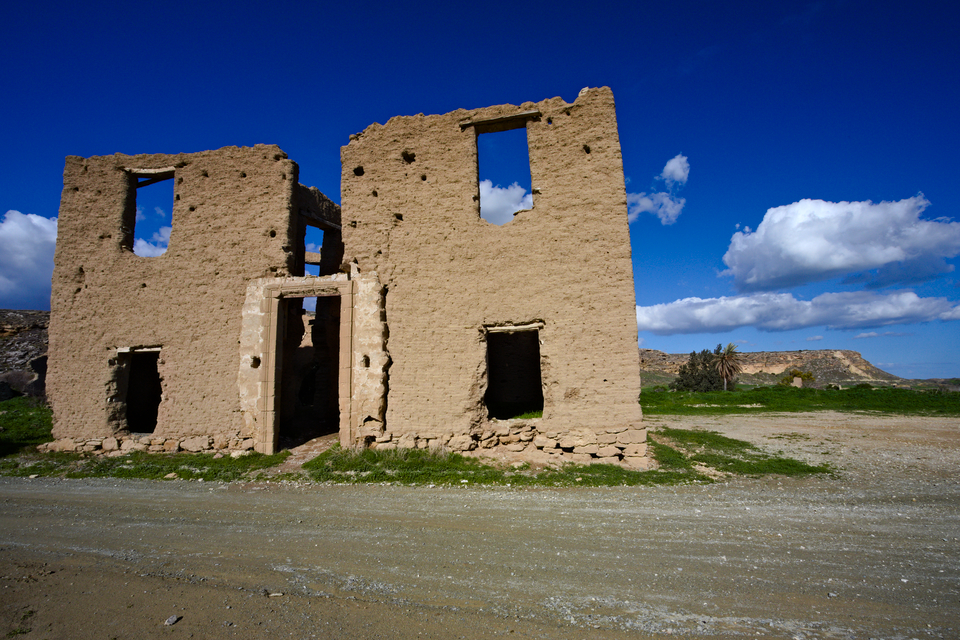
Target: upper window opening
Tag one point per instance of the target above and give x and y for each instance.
(312, 244)
(153, 217)
(504, 174)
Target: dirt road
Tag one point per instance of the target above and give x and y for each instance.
(873, 552)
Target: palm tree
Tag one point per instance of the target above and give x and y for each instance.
(728, 363)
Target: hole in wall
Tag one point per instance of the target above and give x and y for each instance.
(358, 171)
(255, 362)
(144, 391)
(152, 219)
(408, 156)
(504, 174)
(273, 233)
(514, 384)
(374, 193)
(398, 216)
(312, 243)
(423, 177)
(586, 148)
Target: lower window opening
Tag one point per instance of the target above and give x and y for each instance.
(143, 392)
(514, 386)
(309, 389)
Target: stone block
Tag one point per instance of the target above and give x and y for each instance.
(632, 436)
(110, 444)
(578, 458)
(527, 436)
(462, 443)
(542, 442)
(608, 452)
(196, 443)
(606, 438)
(510, 438)
(635, 449)
(636, 463)
(489, 444)
(590, 449)
(516, 447)
(386, 446)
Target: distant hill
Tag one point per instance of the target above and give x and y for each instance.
(829, 366)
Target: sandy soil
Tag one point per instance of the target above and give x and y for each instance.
(873, 552)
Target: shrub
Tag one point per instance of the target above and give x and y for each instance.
(787, 379)
(700, 373)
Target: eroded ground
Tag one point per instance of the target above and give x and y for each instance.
(873, 552)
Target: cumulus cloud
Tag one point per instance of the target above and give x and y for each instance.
(666, 205)
(27, 242)
(498, 204)
(663, 205)
(814, 338)
(783, 312)
(156, 246)
(676, 171)
(873, 244)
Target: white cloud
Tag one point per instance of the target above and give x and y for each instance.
(666, 205)
(27, 243)
(676, 171)
(141, 216)
(874, 334)
(814, 338)
(875, 244)
(498, 204)
(156, 246)
(663, 205)
(783, 312)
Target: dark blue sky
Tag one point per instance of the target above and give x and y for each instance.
(770, 104)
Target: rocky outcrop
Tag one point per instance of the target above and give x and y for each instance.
(23, 337)
(23, 350)
(767, 367)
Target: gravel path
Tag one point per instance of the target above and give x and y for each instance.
(872, 552)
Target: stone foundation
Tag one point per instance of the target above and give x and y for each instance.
(123, 444)
(522, 439)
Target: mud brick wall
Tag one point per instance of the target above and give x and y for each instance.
(234, 220)
(410, 201)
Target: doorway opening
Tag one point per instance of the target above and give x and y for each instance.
(309, 369)
(514, 385)
(144, 391)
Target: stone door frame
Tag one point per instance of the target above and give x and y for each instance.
(265, 357)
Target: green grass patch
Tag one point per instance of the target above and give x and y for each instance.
(24, 422)
(676, 459)
(148, 466)
(737, 457)
(791, 399)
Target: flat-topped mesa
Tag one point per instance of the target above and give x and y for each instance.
(432, 327)
(827, 365)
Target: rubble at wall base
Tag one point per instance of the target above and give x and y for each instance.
(522, 440)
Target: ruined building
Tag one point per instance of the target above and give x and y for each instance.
(433, 327)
